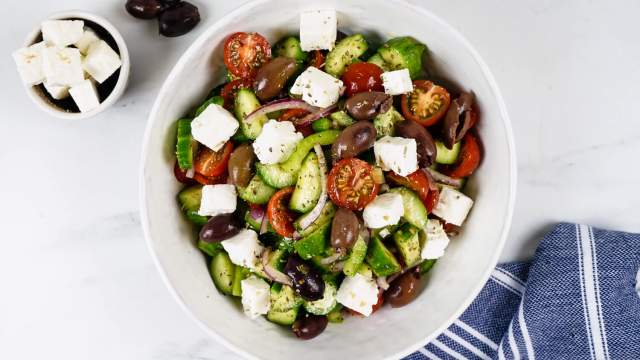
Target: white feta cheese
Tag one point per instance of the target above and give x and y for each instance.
(436, 242)
(217, 199)
(87, 39)
(244, 249)
(101, 61)
(358, 293)
(57, 92)
(214, 127)
(85, 95)
(62, 66)
(62, 33)
(276, 142)
(397, 82)
(318, 29)
(29, 63)
(396, 154)
(317, 87)
(384, 210)
(453, 206)
(256, 296)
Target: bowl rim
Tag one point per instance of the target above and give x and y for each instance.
(506, 122)
(123, 77)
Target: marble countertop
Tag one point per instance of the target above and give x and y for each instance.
(77, 281)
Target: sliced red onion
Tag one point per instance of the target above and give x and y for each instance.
(338, 266)
(256, 213)
(382, 282)
(317, 210)
(282, 104)
(272, 273)
(444, 179)
(190, 173)
(264, 226)
(432, 181)
(331, 259)
(316, 115)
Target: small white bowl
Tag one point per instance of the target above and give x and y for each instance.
(37, 92)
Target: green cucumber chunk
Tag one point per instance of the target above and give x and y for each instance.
(222, 272)
(381, 260)
(321, 125)
(335, 316)
(385, 123)
(426, 266)
(218, 100)
(256, 192)
(185, 145)
(308, 188)
(325, 216)
(286, 173)
(284, 305)
(403, 53)
(246, 102)
(356, 257)
(240, 274)
(324, 305)
(341, 119)
(447, 156)
(314, 244)
(344, 54)
(414, 211)
(208, 248)
(189, 199)
(407, 241)
(366, 271)
(278, 259)
(378, 60)
(290, 47)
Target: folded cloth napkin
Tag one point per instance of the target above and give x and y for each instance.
(577, 299)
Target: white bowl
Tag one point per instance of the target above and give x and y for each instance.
(452, 284)
(37, 93)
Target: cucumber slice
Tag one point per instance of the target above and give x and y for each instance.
(356, 257)
(246, 102)
(407, 241)
(308, 189)
(341, 119)
(257, 192)
(378, 60)
(346, 51)
(218, 100)
(315, 244)
(321, 125)
(290, 47)
(185, 145)
(447, 156)
(189, 199)
(335, 316)
(385, 123)
(284, 305)
(325, 216)
(426, 266)
(222, 272)
(381, 260)
(403, 53)
(414, 211)
(366, 271)
(324, 305)
(278, 259)
(208, 248)
(240, 274)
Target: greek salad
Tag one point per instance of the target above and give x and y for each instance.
(327, 175)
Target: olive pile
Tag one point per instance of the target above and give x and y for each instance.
(175, 17)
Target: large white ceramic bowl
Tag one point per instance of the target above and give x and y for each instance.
(454, 281)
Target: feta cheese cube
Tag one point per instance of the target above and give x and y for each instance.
(397, 154)
(453, 206)
(436, 242)
(358, 293)
(29, 63)
(397, 82)
(101, 61)
(317, 87)
(256, 296)
(214, 127)
(62, 33)
(276, 142)
(87, 39)
(244, 249)
(384, 210)
(85, 95)
(62, 66)
(57, 92)
(318, 29)
(217, 199)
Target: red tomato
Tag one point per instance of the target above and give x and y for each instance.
(280, 217)
(351, 184)
(229, 91)
(245, 53)
(181, 175)
(420, 184)
(211, 163)
(205, 180)
(361, 77)
(297, 114)
(317, 59)
(426, 104)
(469, 158)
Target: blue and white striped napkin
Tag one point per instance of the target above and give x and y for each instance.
(577, 299)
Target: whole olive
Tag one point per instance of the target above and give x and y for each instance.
(178, 19)
(307, 281)
(240, 165)
(404, 289)
(366, 105)
(219, 228)
(143, 9)
(272, 77)
(344, 229)
(309, 326)
(458, 120)
(354, 140)
(426, 147)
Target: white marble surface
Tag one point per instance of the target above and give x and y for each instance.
(76, 279)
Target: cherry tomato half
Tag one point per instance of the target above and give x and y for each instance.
(317, 59)
(426, 104)
(229, 91)
(211, 163)
(245, 53)
(278, 213)
(181, 175)
(420, 184)
(469, 158)
(206, 180)
(297, 114)
(351, 184)
(361, 77)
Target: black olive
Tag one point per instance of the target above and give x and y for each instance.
(403, 289)
(307, 281)
(144, 9)
(458, 120)
(220, 227)
(178, 19)
(344, 229)
(309, 326)
(366, 105)
(272, 77)
(354, 140)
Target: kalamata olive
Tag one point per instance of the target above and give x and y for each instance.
(309, 326)
(307, 281)
(178, 19)
(220, 227)
(354, 140)
(404, 289)
(144, 9)
(272, 77)
(426, 147)
(240, 165)
(366, 105)
(344, 229)
(458, 120)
